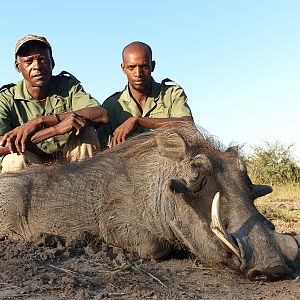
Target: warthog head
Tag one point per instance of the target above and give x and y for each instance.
(215, 216)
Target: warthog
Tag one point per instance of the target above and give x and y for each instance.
(170, 187)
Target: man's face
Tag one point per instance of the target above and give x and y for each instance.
(137, 66)
(36, 66)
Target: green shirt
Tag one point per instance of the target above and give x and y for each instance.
(65, 95)
(166, 100)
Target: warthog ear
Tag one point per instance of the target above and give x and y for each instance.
(233, 149)
(171, 146)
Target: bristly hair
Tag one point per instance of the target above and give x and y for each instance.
(195, 138)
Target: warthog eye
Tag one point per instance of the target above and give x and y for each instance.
(178, 186)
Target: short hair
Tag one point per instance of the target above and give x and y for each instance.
(137, 43)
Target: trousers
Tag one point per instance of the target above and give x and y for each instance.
(77, 148)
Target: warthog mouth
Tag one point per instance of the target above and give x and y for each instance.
(277, 267)
(219, 230)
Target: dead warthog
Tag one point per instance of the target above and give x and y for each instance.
(173, 186)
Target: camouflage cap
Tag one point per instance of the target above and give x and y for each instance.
(29, 38)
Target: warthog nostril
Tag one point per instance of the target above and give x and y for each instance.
(269, 274)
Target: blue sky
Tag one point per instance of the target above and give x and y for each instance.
(238, 61)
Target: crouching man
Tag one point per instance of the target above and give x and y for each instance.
(45, 117)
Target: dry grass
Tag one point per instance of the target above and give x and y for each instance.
(282, 207)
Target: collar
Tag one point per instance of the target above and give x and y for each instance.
(151, 100)
(21, 92)
(154, 93)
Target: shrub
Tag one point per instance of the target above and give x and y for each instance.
(273, 164)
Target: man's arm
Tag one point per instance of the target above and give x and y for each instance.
(152, 123)
(44, 127)
(95, 115)
(130, 124)
(3, 149)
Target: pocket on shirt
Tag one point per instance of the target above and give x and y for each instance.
(61, 106)
(160, 111)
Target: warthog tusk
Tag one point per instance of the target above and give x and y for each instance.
(218, 228)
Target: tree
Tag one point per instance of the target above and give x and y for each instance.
(273, 164)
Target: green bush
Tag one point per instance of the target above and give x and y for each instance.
(273, 164)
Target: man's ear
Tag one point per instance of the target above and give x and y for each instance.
(153, 65)
(123, 67)
(17, 66)
(53, 63)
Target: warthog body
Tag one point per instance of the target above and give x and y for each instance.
(152, 193)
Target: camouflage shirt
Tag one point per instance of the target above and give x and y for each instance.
(17, 107)
(166, 100)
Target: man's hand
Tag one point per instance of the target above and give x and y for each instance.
(121, 132)
(72, 122)
(16, 139)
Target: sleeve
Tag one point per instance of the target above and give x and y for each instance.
(105, 131)
(179, 107)
(5, 115)
(81, 99)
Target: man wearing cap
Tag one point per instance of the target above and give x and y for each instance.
(45, 117)
(144, 104)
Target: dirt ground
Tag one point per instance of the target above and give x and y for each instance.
(89, 269)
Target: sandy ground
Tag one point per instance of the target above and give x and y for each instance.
(89, 269)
